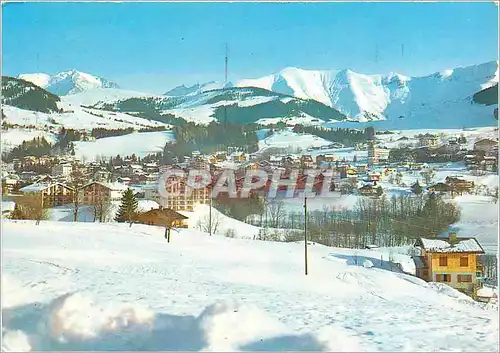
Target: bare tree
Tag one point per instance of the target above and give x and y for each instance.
(101, 206)
(30, 207)
(275, 212)
(77, 180)
(210, 224)
(428, 175)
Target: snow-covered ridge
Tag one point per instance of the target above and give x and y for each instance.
(376, 97)
(68, 82)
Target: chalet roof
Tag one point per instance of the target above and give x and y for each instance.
(112, 186)
(462, 245)
(37, 187)
(160, 216)
(487, 142)
(440, 187)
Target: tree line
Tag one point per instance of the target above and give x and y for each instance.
(191, 137)
(380, 221)
(348, 137)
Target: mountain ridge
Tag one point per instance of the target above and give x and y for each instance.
(68, 82)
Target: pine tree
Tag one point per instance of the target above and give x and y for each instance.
(416, 188)
(128, 207)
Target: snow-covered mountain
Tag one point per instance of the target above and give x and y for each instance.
(378, 97)
(68, 82)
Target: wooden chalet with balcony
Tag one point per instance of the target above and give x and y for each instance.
(450, 260)
(53, 194)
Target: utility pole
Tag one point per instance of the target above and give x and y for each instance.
(225, 65)
(225, 84)
(305, 232)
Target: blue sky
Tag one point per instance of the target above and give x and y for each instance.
(155, 46)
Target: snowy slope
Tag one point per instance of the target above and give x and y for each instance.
(75, 117)
(81, 286)
(138, 143)
(14, 137)
(479, 218)
(290, 140)
(68, 82)
(96, 95)
(198, 88)
(41, 80)
(444, 96)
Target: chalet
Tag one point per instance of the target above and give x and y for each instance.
(62, 169)
(471, 160)
(486, 145)
(489, 163)
(439, 188)
(254, 156)
(320, 158)
(459, 185)
(307, 161)
(428, 140)
(368, 190)
(28, 176)
(124, 180)
(199, 163)
(103, 191)
(151, 192)
(451, 260)
(9, 183)
(375, 177)
(101, 175)
(238, 157)
(276, 160)
(163, 217)
(329, 158)
(54, 194)
(151, 167)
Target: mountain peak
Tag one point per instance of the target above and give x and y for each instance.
(68, 82)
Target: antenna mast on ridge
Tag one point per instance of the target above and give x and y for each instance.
(225, 62)
(225, 84)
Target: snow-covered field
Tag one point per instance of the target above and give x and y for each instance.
(86, 286)
(291, 140)
(471, 134)
(14, 137)
(86, 214)
(76, 117)
(479, 219)
(96, 95)
(140, 143)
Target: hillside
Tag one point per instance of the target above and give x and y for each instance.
(74, 286)
(242, 105)
(487, 96)
(26, 95)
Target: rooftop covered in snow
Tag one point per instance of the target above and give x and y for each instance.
(460, 245)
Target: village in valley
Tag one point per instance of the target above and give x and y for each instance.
(384, 167)
(190, 190)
